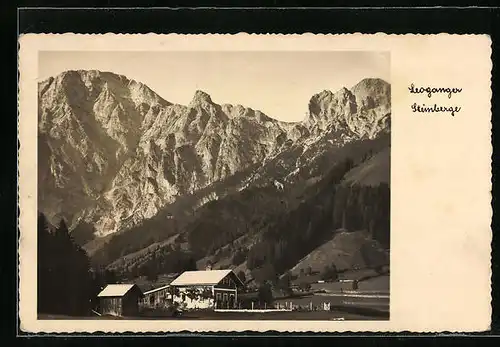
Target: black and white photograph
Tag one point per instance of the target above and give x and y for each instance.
(214, 185)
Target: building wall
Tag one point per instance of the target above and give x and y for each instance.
(227, 282)
(194, 298)
(130, 304)
(222, 295)
(119, 305)
(159, 299)
(225, 298)
(111, 306)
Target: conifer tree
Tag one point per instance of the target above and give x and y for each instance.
(64, 281)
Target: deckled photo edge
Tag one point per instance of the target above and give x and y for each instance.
(22, 244)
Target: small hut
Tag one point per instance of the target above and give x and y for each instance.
(120, 299)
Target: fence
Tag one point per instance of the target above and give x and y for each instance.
(279, 306)
(252, 310)
(325, 306)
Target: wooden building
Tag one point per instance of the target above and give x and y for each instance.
(206, 289)
(147, 284)
(120, 300)
(156, 293)
(160, 297)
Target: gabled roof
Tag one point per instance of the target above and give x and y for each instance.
(117, 290)
(208, 277)
(156, 289)
(146, 285)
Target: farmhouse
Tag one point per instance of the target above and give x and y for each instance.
(206, 289)
(119, 299)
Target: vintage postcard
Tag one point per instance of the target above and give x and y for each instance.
(295, 183)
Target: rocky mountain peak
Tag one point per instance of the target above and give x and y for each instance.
(200, 98)
(86, 85)
(372, 92)
(327, 98)
(376, 84)
(90, 122)
(327, 108)
(362, 111)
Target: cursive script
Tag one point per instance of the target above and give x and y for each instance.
(432, 90)
(435, 108)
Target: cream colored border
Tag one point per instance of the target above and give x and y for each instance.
(440, 178)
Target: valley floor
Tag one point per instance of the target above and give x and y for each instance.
(343, 307)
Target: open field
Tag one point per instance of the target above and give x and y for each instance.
(210, 315)
(343, 307)
(372, 305)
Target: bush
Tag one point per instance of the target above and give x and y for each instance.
(305, 286)
(265, 294)
(330, 273)
(285, 283)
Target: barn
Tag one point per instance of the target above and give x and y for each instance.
(120, 300)
(206, 289)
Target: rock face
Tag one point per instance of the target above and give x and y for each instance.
(363, 111)
(113, 153)
(90, 123)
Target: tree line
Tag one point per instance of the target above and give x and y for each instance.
(66, 283)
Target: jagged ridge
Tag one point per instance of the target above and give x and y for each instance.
(113, 153)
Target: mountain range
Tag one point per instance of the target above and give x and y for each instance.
(139, 179)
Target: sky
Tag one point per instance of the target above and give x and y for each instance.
(279, 84)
